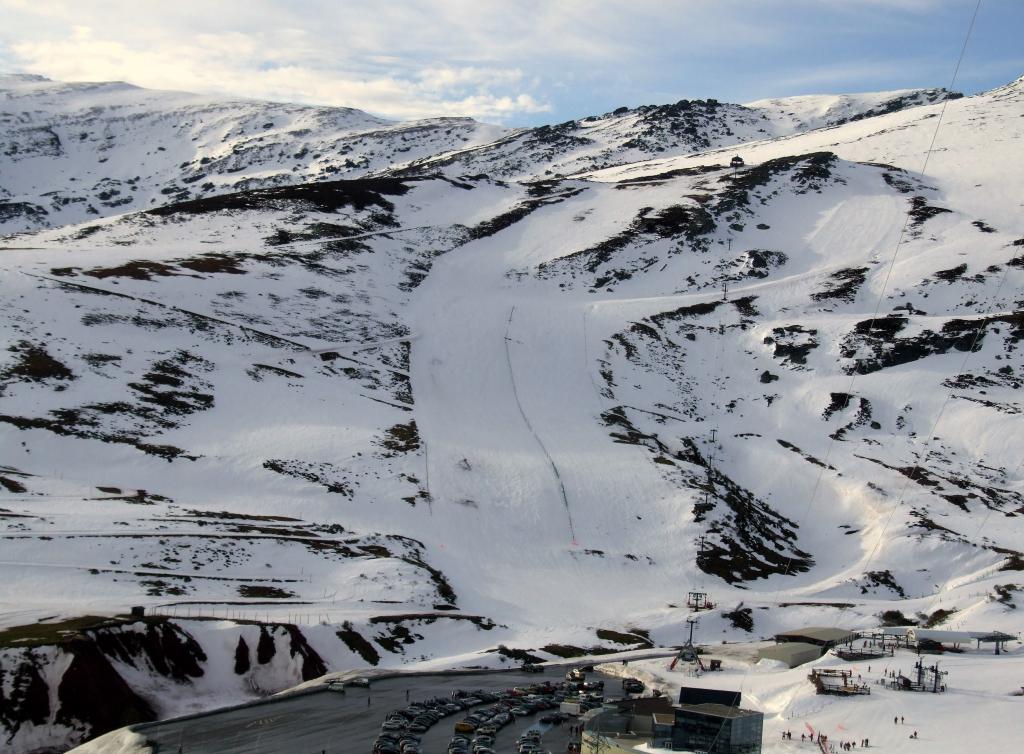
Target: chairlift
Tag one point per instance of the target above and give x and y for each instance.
(698, 601)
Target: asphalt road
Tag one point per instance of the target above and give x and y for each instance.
(333, 723)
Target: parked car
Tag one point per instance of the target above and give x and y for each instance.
(632, 686)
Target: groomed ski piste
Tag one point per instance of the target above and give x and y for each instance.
(440, 416)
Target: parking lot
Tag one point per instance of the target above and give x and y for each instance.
(350, 722)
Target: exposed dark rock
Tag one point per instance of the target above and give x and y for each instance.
(34, 364)
(24, 695)
(618, 637)
(263, 591)
(323, 473)
(843, 285)
(401, 438)
(746, 538)
(355, 641)
(921, 211)
(266, 647)
(168, 649)
(902, 102)
(885, 579)
(519, 655)
(951, 275)
(741, 618)
(896, 618)
(879, 338)
(242, 659)
(91, 693)
(806, 456)
(312, 664)
(792, 343)
(327, 196)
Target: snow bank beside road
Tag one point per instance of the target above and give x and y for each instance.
(123, 741)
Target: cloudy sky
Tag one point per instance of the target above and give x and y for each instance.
(519, 62)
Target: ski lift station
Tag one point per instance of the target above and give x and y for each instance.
(940, 640)
(793, 648)
(932, 639)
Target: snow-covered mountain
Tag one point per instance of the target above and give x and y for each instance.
(455, 406)
(73, 152)
(689, 126)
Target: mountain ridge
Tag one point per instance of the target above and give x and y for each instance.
(550, 405)
(49, 126)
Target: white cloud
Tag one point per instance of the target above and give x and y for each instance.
(400, 58)
(342, 59)
(849, 73)
(493, 59)
(239, 64)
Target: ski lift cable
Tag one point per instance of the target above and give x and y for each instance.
(937, 597)
(720, 411)
(915, 472)
(886, 280)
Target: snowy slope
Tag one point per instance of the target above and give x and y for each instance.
(544, 410)
(977, 706)
(75, 151)
(810, 111)
(627, 136)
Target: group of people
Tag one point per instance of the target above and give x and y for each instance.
(851, 745)
(844, 745)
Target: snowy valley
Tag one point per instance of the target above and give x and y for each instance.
(321, 391)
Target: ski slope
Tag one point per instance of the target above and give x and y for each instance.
(462, 407)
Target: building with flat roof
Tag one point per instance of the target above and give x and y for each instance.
(792, 653)
(822, 636)
(717, 729)
(709, 727)
(703, 695)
